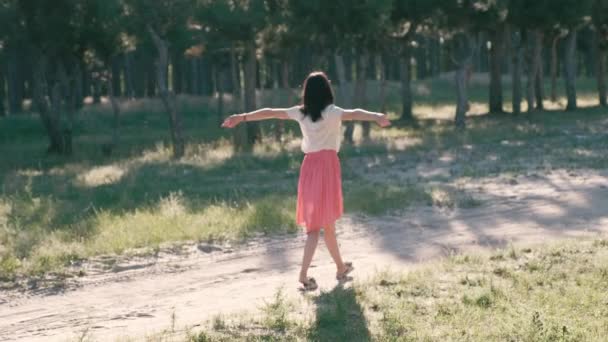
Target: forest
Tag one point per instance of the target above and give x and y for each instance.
(55, 55)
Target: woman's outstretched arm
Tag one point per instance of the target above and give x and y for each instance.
(258, 115)
(364, 115)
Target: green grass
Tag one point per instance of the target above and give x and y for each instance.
(55, 211)
(545, 293)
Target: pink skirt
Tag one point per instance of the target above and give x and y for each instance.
(319, 191)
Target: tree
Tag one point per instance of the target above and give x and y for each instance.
(163, 22)
(497, 48)
(533, 20)
(12, 39)
(570, 15)
(54, 34)
(105, 31)
(282, 35)
(600, 24)
(329, 25)
(238, 21)
(409, 17)
(7, 32)
(462, 20)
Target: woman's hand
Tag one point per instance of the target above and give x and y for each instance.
(383, 121)
(233, 120)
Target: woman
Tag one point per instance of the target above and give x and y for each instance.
(320, 185)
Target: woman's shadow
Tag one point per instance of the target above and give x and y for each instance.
(339, 317)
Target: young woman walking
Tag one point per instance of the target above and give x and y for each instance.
(320, 185)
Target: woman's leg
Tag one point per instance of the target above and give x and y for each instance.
(332, 246)
(309, 252)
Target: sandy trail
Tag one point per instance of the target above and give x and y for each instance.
(145, 295)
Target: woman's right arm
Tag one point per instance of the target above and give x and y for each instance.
(364, 115)
(258, 115)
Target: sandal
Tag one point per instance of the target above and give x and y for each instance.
(309, 285)
(343, 276)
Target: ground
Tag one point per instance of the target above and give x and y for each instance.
(180, 288)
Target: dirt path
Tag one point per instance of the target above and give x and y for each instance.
(184, 288)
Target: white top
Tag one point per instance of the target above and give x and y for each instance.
(325, 134)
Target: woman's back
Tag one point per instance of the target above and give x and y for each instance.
(324, 134)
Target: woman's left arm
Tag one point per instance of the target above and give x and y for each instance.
(258, 115)
(364, 115)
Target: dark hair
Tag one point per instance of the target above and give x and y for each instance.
(317, 95)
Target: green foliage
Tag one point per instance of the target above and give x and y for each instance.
(472, 15)
(105, 26)
(54, 28)
(600, 21)
(344, 23)
(238, 20)
(548, 14)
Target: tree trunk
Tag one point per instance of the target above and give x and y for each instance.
(465, 51)
(129, 85)
(345, 97)
(151, 78)
(26, 77)
(496, 55)
(15, 83)
(86, 81)
(540, 76)
(167, 96)
(204, 77)
(140, 63)
(422, 69)
(234, 74)
(517, 55)
(276, 98)
(382, 79)
(117, 84)
(508, 51)
(250, 91)
(533, 44)
(435, 56)
(406, 89)
(600, 61)
(246, 135)
(289, 97)
(589, 52)
(96, 89)
(177, 73)
(285, 83)
(361, 94)
(2, 93)
(343, 90)
(65, 103)
(259, 83)
(49, 120)
(194, 69)
(348, 66)
(78, 79)
(570, 69)
(115, 111)
(219, 79)
(185, 78)
(554, 57)
(461, 90)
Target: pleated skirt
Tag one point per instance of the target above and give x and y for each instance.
(319, 191)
